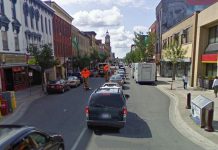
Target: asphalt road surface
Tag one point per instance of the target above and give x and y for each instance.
(148, 126)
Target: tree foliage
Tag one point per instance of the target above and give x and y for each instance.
(144, 48)
(174, 53)
(43, 57)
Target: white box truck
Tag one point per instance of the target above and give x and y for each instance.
(145, 72)
(132, 69)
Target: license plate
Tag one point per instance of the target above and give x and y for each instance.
(106, 116)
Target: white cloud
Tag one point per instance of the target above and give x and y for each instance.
(98, 18)
(121, 39)
(130, 3)
(140, 29)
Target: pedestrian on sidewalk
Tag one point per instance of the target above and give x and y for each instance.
(185, 81)
(215, 86)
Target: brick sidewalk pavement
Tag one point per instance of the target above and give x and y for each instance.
(23, 99)
(164, 85)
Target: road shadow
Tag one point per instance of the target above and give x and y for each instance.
(162, 82)
(147, 83)
(127, 82)
(126, 87)
(135, 128)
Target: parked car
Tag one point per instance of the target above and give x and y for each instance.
(73, 81)
(117, 79)
(16, 137)
(106, 107)
(111, 84)
(59, 86)
(78, 75)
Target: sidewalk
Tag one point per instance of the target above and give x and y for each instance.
(23, 98)
(181, 117)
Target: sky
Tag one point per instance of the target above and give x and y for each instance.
(120, 17)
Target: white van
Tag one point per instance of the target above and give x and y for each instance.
(145, 72)
(132, 70)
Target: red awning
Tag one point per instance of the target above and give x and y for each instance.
(209, 58)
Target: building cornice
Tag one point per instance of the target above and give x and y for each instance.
(55, 6)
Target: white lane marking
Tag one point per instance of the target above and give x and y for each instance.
(79, 139)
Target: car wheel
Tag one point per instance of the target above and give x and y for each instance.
(60, 147)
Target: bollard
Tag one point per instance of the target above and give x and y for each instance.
(209, 121)
(188, 106)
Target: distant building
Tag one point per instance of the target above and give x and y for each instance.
(22, 22)
(170, 13)
(62, 38)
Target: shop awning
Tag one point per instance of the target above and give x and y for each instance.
(209, 58)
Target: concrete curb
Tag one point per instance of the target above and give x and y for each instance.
(20, 110)
(178, 122)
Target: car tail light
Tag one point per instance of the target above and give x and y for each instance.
(124, 112)
(87, 111)
(59, 86)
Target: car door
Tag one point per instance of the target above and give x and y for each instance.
(43, 141)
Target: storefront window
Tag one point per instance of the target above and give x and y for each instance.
(212, 35)
(211, 70)
(217, 34)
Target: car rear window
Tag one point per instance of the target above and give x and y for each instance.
(54, 82)
(107, 100)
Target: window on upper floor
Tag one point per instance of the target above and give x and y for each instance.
(1, 7)
(49, 26)
(42, 24)
(184, 36)
(13, 8)
(5, 40)
(26, 20)
(46, 27)
(37, 25)
(213, 35)
(16, 40)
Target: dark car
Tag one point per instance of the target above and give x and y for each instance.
(78, 75)
(106, 107)
(16, 137)
(59, 86)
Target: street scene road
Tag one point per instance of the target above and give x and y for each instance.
(148, 126)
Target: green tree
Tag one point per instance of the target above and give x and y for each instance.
(174, 53)
(140, 43)
(43, 57)
(103, 56)
(94, 54)
(84, 61)
(150, 46)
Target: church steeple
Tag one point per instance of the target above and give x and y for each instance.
(107, 38)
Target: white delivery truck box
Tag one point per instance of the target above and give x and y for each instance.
(132, 69)
(145, 72)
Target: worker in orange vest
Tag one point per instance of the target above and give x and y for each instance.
(85, 74)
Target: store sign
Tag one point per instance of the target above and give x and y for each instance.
(201, 2)
(16, 69)
(30, 74)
